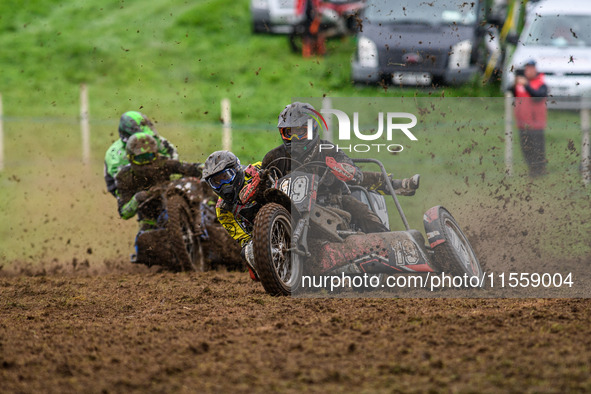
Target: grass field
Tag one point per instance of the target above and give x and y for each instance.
(76, 316)
(55, 208)
(175, 60)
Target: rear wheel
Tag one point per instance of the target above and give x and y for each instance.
(279, 270)
(453, 252)
(186, 247)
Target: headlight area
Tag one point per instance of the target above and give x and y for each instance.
(367, 53)
(260, 4)
(459, 55)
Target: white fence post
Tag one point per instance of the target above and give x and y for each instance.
(508, 134)
(1, 135)
(327, 104)
(84, 124)
(585, 171)
(227, 125)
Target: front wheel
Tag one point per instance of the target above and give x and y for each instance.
(279, 270)
(186, 247)
(453, 253)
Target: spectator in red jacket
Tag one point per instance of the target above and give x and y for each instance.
(530, 93)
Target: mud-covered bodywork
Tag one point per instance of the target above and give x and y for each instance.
(315, 235)
(213, 246)
(393, 252)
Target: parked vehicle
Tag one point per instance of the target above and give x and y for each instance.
(407, 42)
(299, 231)
(274, 16)
(557, 35)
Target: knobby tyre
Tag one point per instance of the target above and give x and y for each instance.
(185, 246)
(280, 273)
(454, 255)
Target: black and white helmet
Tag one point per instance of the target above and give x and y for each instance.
(294, 117)
(224, 174)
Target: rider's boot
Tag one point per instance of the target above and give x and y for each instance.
(247, 254)
(406, 186)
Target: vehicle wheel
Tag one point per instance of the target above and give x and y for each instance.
(280, 273)
(185, 246)
(453, 252)
(199, 262)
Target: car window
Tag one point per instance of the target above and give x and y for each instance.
(559, 31)
(429, 12)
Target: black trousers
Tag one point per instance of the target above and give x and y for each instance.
(533, 146)
(363, 216)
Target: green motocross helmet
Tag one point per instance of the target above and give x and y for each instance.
(132, 122)
(142, 148)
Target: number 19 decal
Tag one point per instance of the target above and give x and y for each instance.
(299, 189)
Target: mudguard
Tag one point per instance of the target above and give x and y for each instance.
(391, 252)
(278, 197)
(434, 237)
(150, 248)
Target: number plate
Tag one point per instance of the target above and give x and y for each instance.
(412, 78)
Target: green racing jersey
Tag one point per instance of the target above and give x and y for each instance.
(116, 159)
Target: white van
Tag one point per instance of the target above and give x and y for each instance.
(557, 35)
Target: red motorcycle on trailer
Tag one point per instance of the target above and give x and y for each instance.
(299, 231)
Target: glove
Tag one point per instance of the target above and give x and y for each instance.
(343, 171)
(193, 169)
(198, 168)
(128, 210)
(249, 190)
(141, 196)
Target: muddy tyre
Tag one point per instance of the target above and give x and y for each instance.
(186, 247)
(280, 274)
(453, 253)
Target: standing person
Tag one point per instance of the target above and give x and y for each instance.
(530, 93)
(116, 157)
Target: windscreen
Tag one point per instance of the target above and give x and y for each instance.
(412, 11)
(559, 31)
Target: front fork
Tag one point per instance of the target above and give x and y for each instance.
(301, 232)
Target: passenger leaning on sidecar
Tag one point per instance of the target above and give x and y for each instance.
(297, 148)
(146, 169)
(131, 122)
(236, 186)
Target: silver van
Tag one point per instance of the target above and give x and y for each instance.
(410, 42)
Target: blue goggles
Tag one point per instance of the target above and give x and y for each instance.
(221, 178)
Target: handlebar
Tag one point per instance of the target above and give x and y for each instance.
(389, 185)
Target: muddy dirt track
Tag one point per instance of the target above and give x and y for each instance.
(144, 331)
